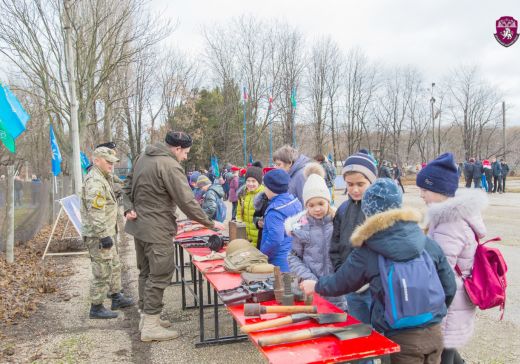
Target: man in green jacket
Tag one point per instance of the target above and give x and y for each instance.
(99, 231)
(154, 189)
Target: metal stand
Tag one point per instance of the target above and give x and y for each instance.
(52, 234)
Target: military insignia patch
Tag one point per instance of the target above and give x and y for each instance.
(99, 201)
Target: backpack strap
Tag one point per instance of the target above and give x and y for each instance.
(496, 238)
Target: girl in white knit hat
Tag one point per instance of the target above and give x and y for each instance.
(312, 230)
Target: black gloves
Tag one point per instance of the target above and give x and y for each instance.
(105, 243)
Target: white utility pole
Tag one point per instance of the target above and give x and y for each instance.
(504, 129)
(9, 251)
(71, 74)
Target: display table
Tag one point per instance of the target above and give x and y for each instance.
(327, 349)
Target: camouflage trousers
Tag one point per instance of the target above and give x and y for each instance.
(106, 270)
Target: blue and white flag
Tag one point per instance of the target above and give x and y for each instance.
(56, 155)
(85, 163)
(14, 117)
(214, 166)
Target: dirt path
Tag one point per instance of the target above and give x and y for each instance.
(61, 332)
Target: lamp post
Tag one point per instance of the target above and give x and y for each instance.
(432, 101)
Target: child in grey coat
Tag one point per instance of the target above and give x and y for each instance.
(311, 231)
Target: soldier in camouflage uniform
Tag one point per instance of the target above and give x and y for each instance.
(99, 230)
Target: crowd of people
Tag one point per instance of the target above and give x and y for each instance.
(289, 215)
(490, 176)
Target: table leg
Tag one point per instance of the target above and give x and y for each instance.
(183, 282)
(194, 279)
(201, 309)
(215, 313)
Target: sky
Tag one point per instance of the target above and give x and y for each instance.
(433, 36)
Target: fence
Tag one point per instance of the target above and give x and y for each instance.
(34, 205)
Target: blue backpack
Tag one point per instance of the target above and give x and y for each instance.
(220, 215)
(413, 291)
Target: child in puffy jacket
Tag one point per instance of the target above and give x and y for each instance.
(454, 219)
(311, 231)
(246, 206)
(276, 243)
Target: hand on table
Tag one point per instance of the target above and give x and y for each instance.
(307, 286)
(218, 225)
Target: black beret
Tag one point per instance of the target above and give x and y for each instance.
(178, 139)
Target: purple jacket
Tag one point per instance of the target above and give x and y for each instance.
(453, 225)
(233, 187)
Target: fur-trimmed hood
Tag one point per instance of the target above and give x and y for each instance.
(383, 221)
(467, 205)
(301, 219)
(394, 234)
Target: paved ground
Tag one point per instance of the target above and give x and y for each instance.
(61, 331)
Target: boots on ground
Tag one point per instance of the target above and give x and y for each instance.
(100, 312)
(152, 330)
(164, 323)
(120, 301)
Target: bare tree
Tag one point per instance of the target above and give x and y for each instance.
(106, 35)
(361, 82)
(474, 106)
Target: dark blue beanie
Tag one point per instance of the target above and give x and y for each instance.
(382, 195)
(277, 181)
(440, 175)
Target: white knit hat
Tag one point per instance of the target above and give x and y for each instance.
(315, 185)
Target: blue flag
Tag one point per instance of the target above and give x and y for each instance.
(84, 161)
(214, 166)
(56, 155)
(13, 115)
(250, 157)
(331, 159)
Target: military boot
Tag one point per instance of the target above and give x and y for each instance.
(100, 312)
(152, 330)
(163, 323)
(120, 301)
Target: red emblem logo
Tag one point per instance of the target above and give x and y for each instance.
(507, 31)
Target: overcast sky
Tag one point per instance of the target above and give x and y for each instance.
(433, 36)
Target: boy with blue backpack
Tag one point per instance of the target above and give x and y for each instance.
(411, 282)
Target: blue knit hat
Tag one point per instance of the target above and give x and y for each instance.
(382, 195)
(277, 181)
(194, 176)
(440, 175)
(362, 163)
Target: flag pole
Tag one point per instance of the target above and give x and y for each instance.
(270, 121)
(245, 128)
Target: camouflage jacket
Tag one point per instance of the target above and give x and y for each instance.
(98, 205)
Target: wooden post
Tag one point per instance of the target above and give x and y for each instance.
(10, 215)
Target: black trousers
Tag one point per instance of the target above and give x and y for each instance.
(468, 182)
(451, 356)
(503, 183)
(497, 183)
(398, 179)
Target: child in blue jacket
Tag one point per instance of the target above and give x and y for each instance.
(276, 244)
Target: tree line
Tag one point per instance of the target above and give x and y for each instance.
(132, 86)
